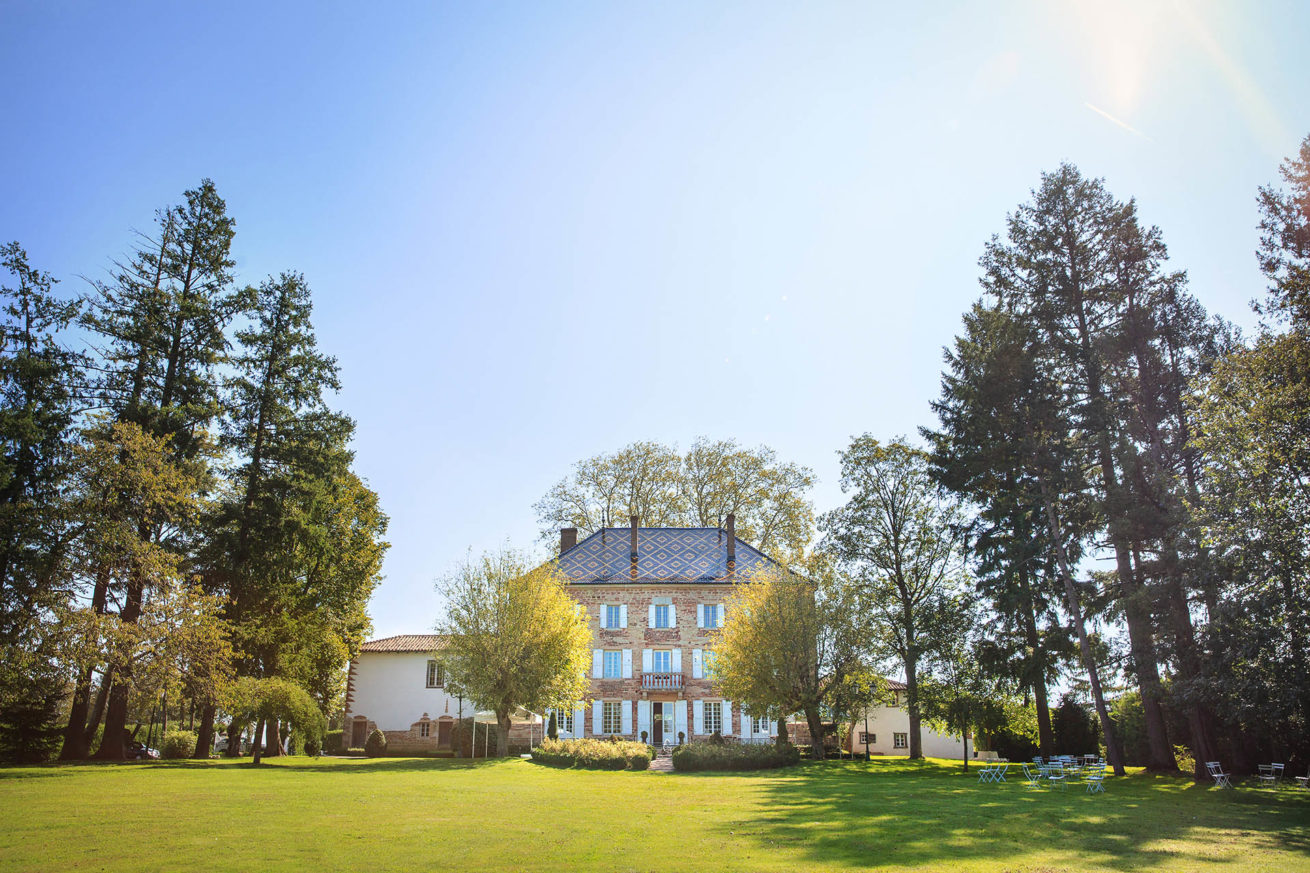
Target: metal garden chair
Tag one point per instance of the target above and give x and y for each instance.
(1217, 773)
(1270, 774)
(1095, 778)
(1033, 774)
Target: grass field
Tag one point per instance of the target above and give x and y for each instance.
(419, 815)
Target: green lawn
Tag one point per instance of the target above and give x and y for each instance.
(421, 815)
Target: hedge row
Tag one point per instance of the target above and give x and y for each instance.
(734, 756)
(594, 754)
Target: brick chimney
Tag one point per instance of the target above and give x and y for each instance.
(568, 538)
(632, 557)
(732, 543)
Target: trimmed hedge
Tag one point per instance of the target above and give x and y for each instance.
(594, 754)
(734, 756)
(376, 744)
(334, 742)
(177, 744)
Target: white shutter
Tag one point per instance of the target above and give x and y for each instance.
(627, 663)
(676, 659)
(625, 707)
(727, 718)
(595, 717)
(579, 723)
(623, 615)
(700, 615)
(723, 616)
(698, 715)
(679, 721)
(643, 718)
(597, 663)
(697, 664)
(673, 616)
(647, 661)
(747, 731)
(650, 615)
(602, 616)
(773, 727)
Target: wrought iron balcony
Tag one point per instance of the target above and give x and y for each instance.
(661, 681)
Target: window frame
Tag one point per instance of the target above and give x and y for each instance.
(711, 616)
(614, 619)
(868, 739)
(712, 709)
(425, 729)
(605, 662)
(655, 660)
(611, 709)
(900, 740)
(761, 725)
(435, 677)
(564, 721)
(667, 624)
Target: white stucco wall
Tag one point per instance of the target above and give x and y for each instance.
(886, 721)
(390, 688)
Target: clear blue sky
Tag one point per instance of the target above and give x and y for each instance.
(540, 232)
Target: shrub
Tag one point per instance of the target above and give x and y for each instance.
(178, 744)
(334, 743)
(376, 744)
(312, 747)
(733, 756)
(594, 754)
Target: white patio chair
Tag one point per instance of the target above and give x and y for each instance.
(1034, 775)
(1001, 769)
(1217, 773)
(984, 774)
(1095, 778)
(1270, 774)
(1303, 781)
(1055, 774)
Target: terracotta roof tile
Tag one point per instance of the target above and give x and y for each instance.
(406, 643)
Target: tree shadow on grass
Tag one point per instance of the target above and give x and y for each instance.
(296, 763)
(876, 815)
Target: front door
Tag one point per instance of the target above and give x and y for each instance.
(443, 734)
(657, 725)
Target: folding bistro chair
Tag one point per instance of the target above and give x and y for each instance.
(1034, 775)
(1001, 769)
(984, 773)
(1270, 774)
(1303, 781)
(1095, 778)
(1055, 774)
(1218, 774)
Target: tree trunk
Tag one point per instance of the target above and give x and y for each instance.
(1112, 749)
(257, 746)
(273, 744)
(912, 705)
(205, 736)
(1036, 669)
(502, 734)
(815, 721)
(233, 740)
(113, 746)
(76, 746)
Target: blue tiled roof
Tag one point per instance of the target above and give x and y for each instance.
(664, 554)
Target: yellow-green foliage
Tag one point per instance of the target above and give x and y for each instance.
(593, 754)
(178, 744)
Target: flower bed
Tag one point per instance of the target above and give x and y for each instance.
(593, 754)
(733, 756)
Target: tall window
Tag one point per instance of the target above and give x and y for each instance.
(760, 725)
(868, 739)
(661, 661)
(900, 741)
(611, 717)
(613, 665)
(436, 674)
(612, 617)
(423, 728)
(713, 716)
(662, 611)
(564, 721)
(712, 617)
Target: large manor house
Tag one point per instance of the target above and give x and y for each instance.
(655, 599)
